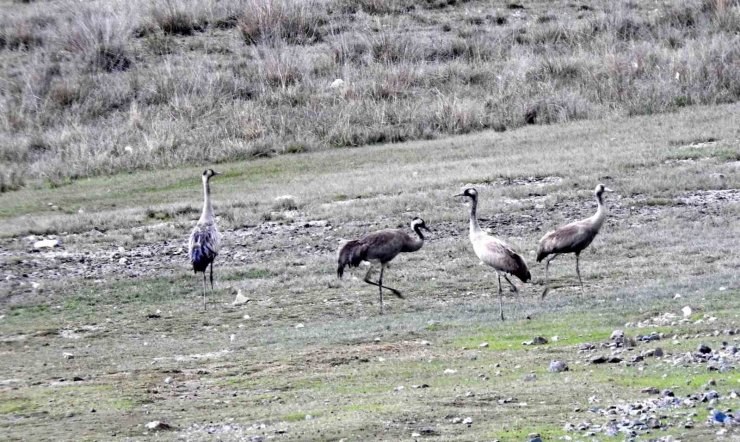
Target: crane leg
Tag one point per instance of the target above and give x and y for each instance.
(204, 289)
(380, 287)
(500, 297)
(367, 280)
(547, 275)
(578, 271)
(211, 275)
(515, 290)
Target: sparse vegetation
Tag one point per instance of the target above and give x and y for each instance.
(147, 85)
(120, 299)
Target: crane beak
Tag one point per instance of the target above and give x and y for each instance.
(459, 194)
(606, 189)
(217, 173)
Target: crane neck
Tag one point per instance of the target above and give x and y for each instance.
(207, 214)
(600, 215)
(418, 232)
(474, 226)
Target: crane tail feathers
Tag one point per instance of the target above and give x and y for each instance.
(352, 253)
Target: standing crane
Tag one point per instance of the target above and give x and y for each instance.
(205, 239)
(494, 252)
(573, 237)
(380, 247)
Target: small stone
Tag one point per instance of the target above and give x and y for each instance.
(658, 353)
(557, 367)
(450, 371)
(158, 426)
(425, 343)
(686, 311)
(469, 394)
(399, 388)
(68, 356)
(709, 395)
(168, 380)
(703, 349)
(456, 420)
(46, 244)
(650, 390)
(376, 340)
(308, 417)
(415, 434)
(483, 345)
(240, 299)
(299, 325)
(668, 393)
(530, 377)
(468, 420)
(598, 359)
(617, 335)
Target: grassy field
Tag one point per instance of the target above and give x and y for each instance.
(309, 358)
(109, 86)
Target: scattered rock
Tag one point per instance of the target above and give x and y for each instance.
(450, 371)
(557, 367)
(686, 311)
(537, 340)
(468, 421)
(483, 345)
(68, 356)
(158, 426)
(704, 349)
(46, 244)
(240, 299)
(617, 335)
(530, 377)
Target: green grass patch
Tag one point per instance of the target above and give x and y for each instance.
(17, 405)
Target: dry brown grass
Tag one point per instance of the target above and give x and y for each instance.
(119, 86)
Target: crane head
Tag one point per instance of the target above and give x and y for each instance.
(208, 173)
(469, 192)
(418, 222)
(600, 189)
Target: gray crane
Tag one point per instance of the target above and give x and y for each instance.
(205, 239)
(380, 247)
(494, 252)
(573, 237)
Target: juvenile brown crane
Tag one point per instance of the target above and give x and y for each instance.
(205, 239)
(494, 252)
(380, 247)
(573, 237)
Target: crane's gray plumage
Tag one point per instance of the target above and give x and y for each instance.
(494, 252)
(205, 239)
(380, 247)
(573, 237)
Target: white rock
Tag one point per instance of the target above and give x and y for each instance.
(468, 420)
(399, 388)
(722, 289)
(240, 299)
(157, 425)
(35, 285)
(232, 337)
(686, 311)
(168, 380)
(450, 371)
(415, 435)
(128, 149)
(676, 296)
(46, 244)
(336, 84)
(123, 261)
(299, 325)
(68, 356)
(483, 345)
